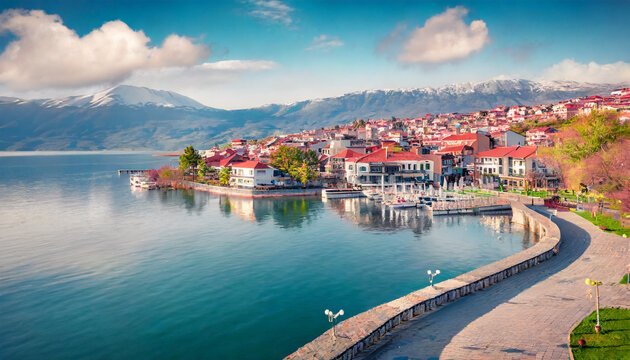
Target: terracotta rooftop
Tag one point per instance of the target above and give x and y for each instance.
(497, 152)
(455, 137)
(523, 152)
(346, 154)
(250, 165)
(384, 155)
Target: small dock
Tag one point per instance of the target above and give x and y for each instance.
(131, 171)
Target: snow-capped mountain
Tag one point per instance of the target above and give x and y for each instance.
(127, 96)
(128, 117)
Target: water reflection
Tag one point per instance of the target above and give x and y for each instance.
(375, 217)
(286, 213)
(192, 201)
(504, 225)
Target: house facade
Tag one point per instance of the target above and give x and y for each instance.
(514, 167)
(385, 167)
(249, 174)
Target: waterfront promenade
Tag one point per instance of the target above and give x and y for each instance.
(525, 316)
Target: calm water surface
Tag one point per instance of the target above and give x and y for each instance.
(90, 268)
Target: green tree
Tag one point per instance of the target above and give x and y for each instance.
(292, 161)
(224, 176)
(304, 173)
(202, 168)
(190, 158)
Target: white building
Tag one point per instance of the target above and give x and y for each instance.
(250, 174)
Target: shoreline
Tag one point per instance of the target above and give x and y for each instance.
(365, 329)
(249, 193)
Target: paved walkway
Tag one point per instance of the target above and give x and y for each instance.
(527, 316)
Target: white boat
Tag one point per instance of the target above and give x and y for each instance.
(373, 195)
(149, 185)
(341, 193)
(142, 182)
(402, 204)
(136, 180)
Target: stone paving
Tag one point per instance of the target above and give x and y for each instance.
(527, 316)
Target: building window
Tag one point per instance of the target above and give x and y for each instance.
(362, 169)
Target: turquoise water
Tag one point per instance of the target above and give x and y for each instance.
(91, 269)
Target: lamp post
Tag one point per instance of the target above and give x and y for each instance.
(432, 275)
(590, 282)
(332, 318)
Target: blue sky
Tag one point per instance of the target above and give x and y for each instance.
(243, 53)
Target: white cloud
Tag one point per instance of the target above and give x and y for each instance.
(223, 84)
(272, 10)
(47, 54)
(239, 65)
(568, 69)
(444, 37)
(325, 42)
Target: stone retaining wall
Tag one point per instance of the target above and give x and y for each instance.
(250, 193)
(365, 329)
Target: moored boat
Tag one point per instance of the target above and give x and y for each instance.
(342, 193)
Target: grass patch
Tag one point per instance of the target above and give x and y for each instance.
(624, 280)
(539, 194)
(612, 343)
(605, 222)
(479, 193)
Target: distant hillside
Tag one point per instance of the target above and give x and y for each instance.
(127, 117)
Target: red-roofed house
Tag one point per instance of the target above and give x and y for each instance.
(228, 161)
(250, 174)
(542, 136)
(385, 167)
(515, 167)
(236, 143)
(478, 141)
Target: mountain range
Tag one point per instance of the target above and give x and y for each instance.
(137, 118)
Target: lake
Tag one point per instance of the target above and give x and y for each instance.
(91, 268)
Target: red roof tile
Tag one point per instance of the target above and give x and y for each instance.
(229, 160)
(250, 165)
(451, 149)
(466, 136)
(497, 152)
(384, 155)
(523, 152)
(346, 154)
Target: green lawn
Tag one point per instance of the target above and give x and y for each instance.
(540, 194)
(480, 193)
(612, 343)
(608, 222)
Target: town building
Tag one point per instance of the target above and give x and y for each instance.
(250, 174)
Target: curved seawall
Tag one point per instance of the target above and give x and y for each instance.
(367, 328)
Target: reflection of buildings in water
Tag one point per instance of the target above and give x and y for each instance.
(287, 212)
(500, 224)
(504, 224)
(374, 216)
(241, 207)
